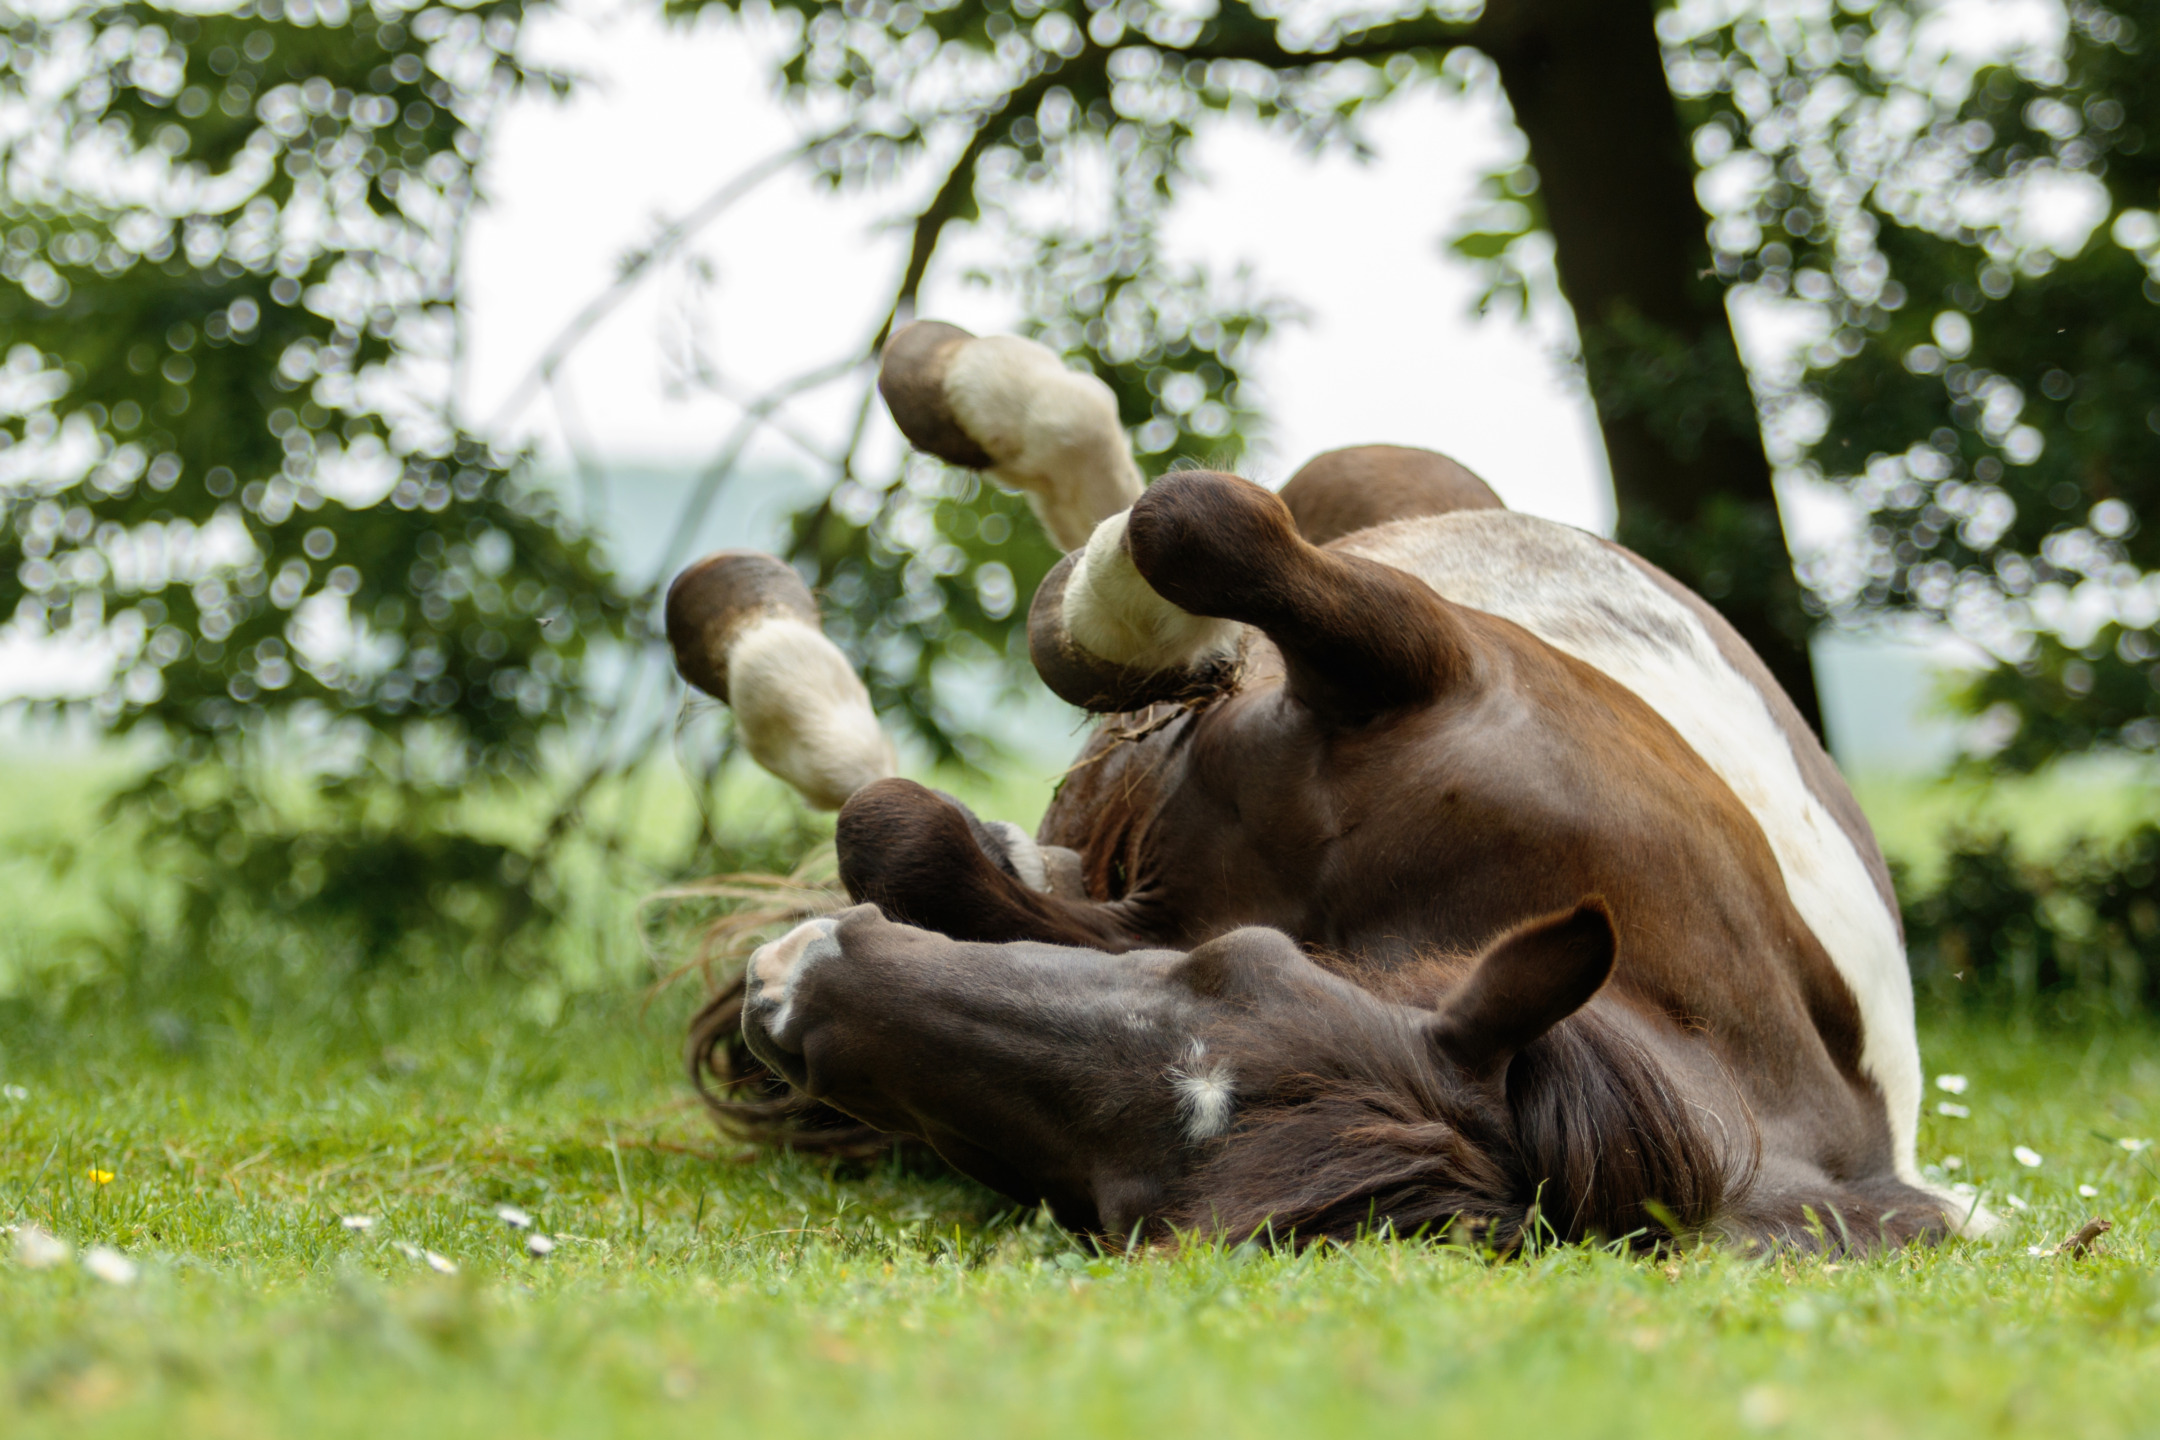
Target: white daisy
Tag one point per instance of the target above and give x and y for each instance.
(37, 1248)
(109, 1265)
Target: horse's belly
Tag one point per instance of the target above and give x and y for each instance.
(1587, 600)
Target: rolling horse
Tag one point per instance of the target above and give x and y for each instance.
(1432, 867)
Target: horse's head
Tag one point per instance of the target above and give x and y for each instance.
(1223, 1089)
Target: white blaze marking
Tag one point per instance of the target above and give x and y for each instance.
(776, 966)
(1206, 1094)
(1115, 615)
(1571, 591)
(1053, 432)
(803, 712)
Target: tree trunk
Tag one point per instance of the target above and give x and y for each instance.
(1588, 87)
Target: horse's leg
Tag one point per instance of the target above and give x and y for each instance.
(925, 860)
(745, 631)
(1010, 408)
(1345, 491)
(1793, 1204)
(1162, 602)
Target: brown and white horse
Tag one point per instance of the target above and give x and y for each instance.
(1433, 865)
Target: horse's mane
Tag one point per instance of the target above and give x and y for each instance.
(744, 1098)
(1594, 1140)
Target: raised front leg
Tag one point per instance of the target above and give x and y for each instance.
(1102, 638)
(1155, 608)
(924, 859)
(1010, 408)
(745, 631)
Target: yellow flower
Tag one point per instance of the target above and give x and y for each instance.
(99, 1177)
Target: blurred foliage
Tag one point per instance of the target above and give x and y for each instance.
(2082, 928)
(228, 291)
(229, 283)
(1981, 384)
(1506, 237)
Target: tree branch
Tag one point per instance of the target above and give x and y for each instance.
(931, 220)
(1251, 45)
(709, 481)
(640, 262)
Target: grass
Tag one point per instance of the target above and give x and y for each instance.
(696, 1290)
(61, 926)
(2102, 798)
(693, 1288)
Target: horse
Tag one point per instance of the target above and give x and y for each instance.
(1431, 868)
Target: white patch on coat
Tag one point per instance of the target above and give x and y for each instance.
(1026, 856)
(802, 712)
(1053, 432)
(776, 967)
(1586, 599)
(1115, 615)
(1206, 1094)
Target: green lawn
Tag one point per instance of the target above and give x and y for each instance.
(218, 1144)
(694, 1290)
(2041, 814)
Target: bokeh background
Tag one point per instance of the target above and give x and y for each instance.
(368, 371)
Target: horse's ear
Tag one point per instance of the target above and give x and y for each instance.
(1526, 982)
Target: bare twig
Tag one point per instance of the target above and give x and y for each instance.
(639, 263)
(691, 518)
(777, 419)
(2086, 1239)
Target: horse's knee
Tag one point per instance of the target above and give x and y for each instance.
(926, 860)
(744, 630)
